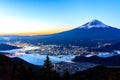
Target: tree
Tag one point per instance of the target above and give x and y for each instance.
(47, 72)
(47, 65)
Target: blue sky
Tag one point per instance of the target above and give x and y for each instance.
(49, 16)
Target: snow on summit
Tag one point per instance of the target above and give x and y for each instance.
(94, 24)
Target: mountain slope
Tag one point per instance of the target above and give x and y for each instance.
(13, 70)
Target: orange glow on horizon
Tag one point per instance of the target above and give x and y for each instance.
(10, 25)
(36, 32)
(16, 26)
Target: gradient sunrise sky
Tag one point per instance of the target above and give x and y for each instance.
(51, 16)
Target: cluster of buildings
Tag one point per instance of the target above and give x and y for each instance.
(53, 49)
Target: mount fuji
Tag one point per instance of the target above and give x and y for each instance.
(88, 34)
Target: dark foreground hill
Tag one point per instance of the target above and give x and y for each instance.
(98, 73)
(20, 70)
(12, 70)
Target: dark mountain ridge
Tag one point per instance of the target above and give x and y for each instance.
(110, 61)
(7, 47)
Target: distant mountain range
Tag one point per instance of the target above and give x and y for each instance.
(89, 34)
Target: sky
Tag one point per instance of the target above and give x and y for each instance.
(31, 17)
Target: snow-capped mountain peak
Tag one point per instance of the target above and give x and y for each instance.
(94, 24)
